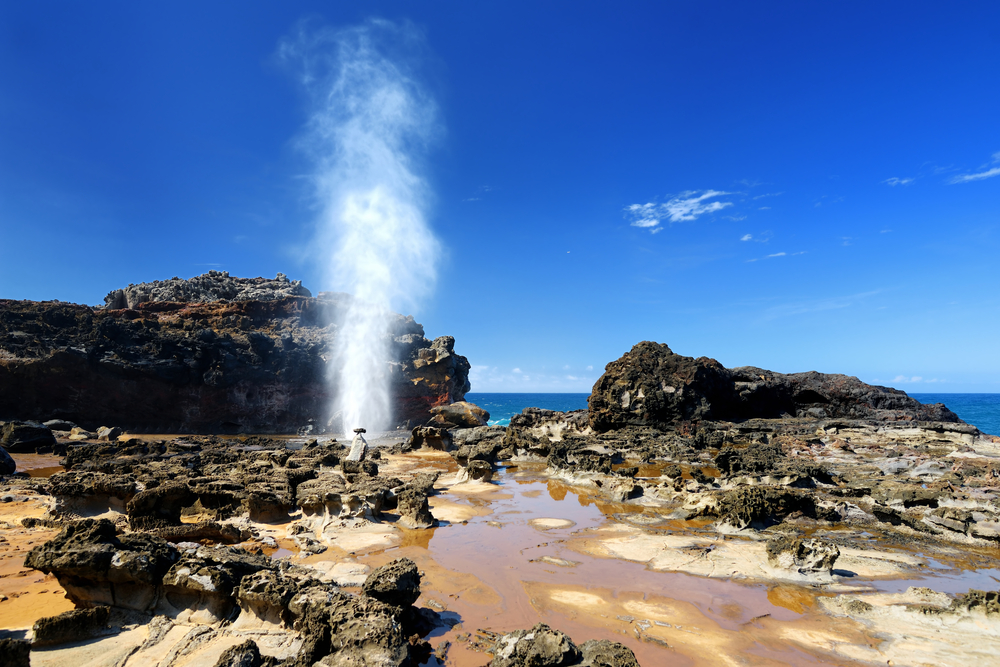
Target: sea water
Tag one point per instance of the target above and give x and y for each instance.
(980, 410)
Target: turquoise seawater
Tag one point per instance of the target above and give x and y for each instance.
(981, 410)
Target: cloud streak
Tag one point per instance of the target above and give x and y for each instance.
(979, 176)
(685, 207)
(898, 181)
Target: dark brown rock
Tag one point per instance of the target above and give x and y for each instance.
(650, 385)
(604, 653)
(15, 653)
(246, 359)
(71, 626)
(396, 583)
(461, 414)
(541, 646)
(26, 437)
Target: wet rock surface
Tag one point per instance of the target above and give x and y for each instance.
(171, 529)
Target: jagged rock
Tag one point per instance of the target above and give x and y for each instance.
(461, 414)
(987, 602)
(206, 288)
(206, 530)
(749, 505)
(650, 385)
(414, 510)
(202, 585)
(26, 437)
(204, 355)
(242, 655)
(350, 468)
(109, 433)
(431, 437)
(604, 653)
(541, 646)
(475, 471)
(396, 583)
(71, 626)
(810, 555)
(159, 506)
(15, 653)
(90, 493)
(96, 567)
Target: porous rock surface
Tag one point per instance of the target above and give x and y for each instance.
(211, 354)
(652, 385)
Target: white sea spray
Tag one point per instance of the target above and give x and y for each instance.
(370, 125)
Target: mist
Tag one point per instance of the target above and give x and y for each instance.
(369, 128)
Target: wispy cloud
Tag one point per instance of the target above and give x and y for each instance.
(906, 379)
(814, 306)
(981, 175)
(746, 237)
(769, 194)
(894, 181)
(777, 254)
(687, 206)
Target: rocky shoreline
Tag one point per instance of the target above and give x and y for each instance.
(250, 550)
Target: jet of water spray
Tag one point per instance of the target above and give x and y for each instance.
(370, 124)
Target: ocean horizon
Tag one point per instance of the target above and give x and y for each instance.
(980, 410)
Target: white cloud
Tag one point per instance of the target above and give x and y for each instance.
(778, 254)
(898, 181)
(967, 178)
(764, 208)
(746, 237)
(989, 173)
(687, 206)
(769, 194)
(590, 368)
(915, 379)
(516, 370)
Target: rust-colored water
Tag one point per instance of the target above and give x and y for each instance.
(505, 569)
(38, 465)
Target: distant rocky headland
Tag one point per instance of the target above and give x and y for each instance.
(212, 354)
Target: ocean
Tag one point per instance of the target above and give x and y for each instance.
(980, 410)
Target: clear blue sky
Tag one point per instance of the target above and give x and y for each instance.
(796, 186)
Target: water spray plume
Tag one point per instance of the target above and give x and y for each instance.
(370, 124)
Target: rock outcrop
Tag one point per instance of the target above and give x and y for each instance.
(211, 354)
(650, 386)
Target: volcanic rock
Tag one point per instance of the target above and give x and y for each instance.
(396, 583)
(15, 653)
(541, 646)
(246, 654)
(212, 354)
(461, 415)
(651, 385)
(71, 626)
(802, 555)
(432, 437)
(26, 437)
(7, 465)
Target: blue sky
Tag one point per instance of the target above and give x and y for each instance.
(796, 186)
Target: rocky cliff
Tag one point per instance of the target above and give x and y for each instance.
(212, 354)
(650, 385)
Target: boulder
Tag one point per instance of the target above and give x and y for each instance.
(475, 471)
(71, 626)
(15, 653)
(804, 556)
(461, 414)
(604, 653)
(396, 583)
(541, 646)
(432, 437)
(242, 655)
(59, 425)
(26, 437)
(7, 465)
(109, 433)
